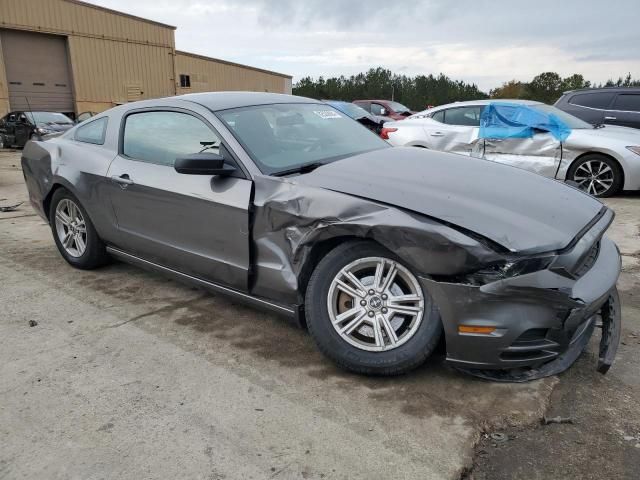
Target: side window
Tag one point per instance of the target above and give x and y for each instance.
(160, 137)
(438, 116)
(93, 132)
(463, 116)
(627, 102)
(365, 105)
(376, 109)
(600, 100)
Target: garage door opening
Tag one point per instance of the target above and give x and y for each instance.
(37, 67)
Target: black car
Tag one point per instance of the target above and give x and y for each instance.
(610, 106)
(17, 128)
(372, 122)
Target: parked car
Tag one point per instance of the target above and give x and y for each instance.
(17, 128)
(85, 116)
(385, 108)
(609, 106)
(601, 160)
(372, 122)
(288, 204)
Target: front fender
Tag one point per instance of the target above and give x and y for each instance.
(290, 219)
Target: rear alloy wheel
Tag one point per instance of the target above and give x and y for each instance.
(597, 175)
(368, 312)
(73, 232)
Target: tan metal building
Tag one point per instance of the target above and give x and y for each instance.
(71, 56)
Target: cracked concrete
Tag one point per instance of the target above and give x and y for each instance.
(131, 375)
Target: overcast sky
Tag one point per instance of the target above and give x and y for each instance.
(481, 41)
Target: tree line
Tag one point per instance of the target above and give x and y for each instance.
(420, 91)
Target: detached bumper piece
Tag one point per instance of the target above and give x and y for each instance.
(611, 327)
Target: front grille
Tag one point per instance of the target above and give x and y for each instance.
(588, 261)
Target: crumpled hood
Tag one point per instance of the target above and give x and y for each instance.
(520, 210)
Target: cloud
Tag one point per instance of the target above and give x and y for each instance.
(482, 41)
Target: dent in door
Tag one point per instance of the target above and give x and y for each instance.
(540, 154)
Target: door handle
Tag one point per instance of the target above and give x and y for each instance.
(437, 134)
(122, 180)
(610, 118)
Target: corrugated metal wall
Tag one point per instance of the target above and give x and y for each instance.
(117, 58)
(71, 17)
(111, 55)
(106, 73)
(215, 75)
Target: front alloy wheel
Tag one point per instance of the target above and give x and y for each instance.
(367, 311)
(375, 304)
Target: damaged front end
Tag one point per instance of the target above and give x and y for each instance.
(518, 283)
(515, 325)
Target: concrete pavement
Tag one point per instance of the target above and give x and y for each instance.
(130, 375)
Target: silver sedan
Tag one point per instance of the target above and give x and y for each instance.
(601, 160)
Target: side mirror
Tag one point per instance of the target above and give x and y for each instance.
(205, 163)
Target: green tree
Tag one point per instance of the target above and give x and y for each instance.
(546, 87)
(511, 89)
(415, 92)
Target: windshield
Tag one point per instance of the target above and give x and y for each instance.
(48, 117)
(354, 111)
(398, 107)
(282, 137)
(568, 119)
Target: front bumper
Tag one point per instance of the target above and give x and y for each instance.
(537, 317)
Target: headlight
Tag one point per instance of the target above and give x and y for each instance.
(635, 149)
(43, 131)
(508, 269)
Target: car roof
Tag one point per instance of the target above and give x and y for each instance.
(215, 101)
(470, 103)
(603, 89)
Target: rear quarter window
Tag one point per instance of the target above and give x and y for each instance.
(600, 100)
(627, 102)
(92, 132)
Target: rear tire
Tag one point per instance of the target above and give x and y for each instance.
(74, 234)
(365, 333)
(597, 175)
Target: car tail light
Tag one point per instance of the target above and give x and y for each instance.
(384, 133)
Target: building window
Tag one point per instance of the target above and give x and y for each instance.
(185, 81)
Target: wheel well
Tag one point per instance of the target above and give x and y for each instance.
(46, 203)
(613, 159)
(318, 251)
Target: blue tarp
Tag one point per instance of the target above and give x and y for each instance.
(512, 120)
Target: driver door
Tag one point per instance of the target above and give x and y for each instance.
(195, 224)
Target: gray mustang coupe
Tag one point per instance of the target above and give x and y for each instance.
(289, 204)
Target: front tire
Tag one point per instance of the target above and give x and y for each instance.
(367, 311)
(74, 234)
(597, 175)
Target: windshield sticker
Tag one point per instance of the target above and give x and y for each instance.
(326, 114)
